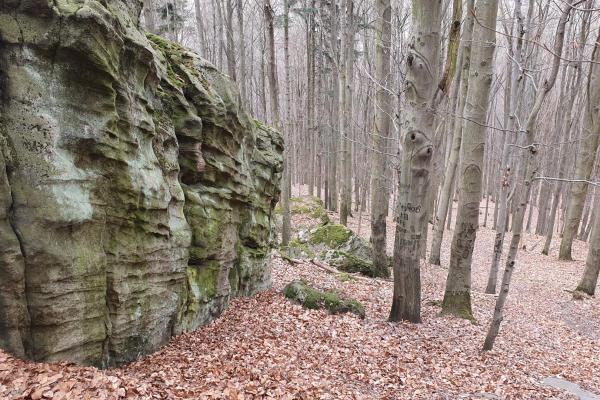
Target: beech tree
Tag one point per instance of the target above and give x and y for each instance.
(526, 178)
(589, 280)
(586, 155)
(417, 151)
(380, 136)
(457, 297)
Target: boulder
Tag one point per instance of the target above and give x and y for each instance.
(336, 245)
(304, 294)
(310, 207)
(136, 193)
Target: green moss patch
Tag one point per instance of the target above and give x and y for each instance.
(346, 277)
(351, 264)
(459, 305)
(331, 235)
(307, 205)
(302, 293)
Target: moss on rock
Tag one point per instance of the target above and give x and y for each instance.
(331, 235)
(309, 297)
(153, 182)
(307, 205)
(349, 263)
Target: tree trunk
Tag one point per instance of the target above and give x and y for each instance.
(240, 18)
(511, 105)
(524, 184)
(345, 113)
(462, 76)
(379, 137)
(418, 118)
(200, 29)
(274, 91)
(149, 20)
(333, 140)
(457, 297)
(589, 280)
(230, 50)
(585, 160)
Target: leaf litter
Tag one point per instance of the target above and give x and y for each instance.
(267, 347)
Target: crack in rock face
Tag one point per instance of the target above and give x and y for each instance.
(136, 193)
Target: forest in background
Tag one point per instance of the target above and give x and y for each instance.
(403, 108)
(440, 157)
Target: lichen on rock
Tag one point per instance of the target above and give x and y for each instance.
(136, 193)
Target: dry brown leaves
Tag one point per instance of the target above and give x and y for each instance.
(267, 347)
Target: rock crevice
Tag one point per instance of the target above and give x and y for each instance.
(136, 193)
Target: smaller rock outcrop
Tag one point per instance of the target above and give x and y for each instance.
(336, 245)
(303, 293)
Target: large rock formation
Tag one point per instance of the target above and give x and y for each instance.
(135, 192)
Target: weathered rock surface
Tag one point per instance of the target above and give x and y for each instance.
(136, 194)
(335, 244)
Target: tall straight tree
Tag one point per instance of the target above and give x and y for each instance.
(335, 95)
(417, 151)
(457, 298)
(230, 50)
(588, 147)
(589, 279)
(514, 90)
(524, 181)
(242, 38)
(274, 91)
(381, 132)
(345, 67)
(462, 77)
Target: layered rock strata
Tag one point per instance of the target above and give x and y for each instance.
(136, 193)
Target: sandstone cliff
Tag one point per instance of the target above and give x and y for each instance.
(135, 192)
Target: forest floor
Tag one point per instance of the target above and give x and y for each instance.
(266, 347)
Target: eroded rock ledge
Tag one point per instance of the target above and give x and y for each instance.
(136, 194)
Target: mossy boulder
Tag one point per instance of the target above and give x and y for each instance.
(136, 192)
(330, 235)
(298, 249)
(310, 206)
(309, 297)
(349, 263)
(336, 245)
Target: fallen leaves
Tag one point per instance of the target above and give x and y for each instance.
(266, 347)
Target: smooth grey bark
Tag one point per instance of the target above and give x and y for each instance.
(149, 20)
(457, 297)
(310, 101)
(219, 33)
(379, 137)
(285, 192)
(524, 184)
(588, 148)
(335, 94)
(589, 280)
(230, 50)
(345, 67)
(241, 36)
(563, 155)
(417, 151)
(462, 76)
(511, 105)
